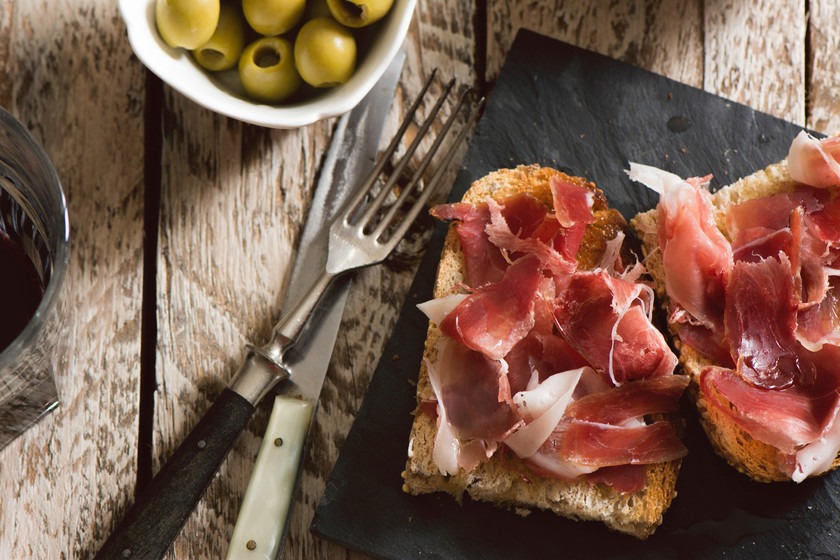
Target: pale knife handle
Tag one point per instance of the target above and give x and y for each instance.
(258, 533)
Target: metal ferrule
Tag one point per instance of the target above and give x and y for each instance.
(257, 376)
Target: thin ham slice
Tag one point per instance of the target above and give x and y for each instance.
(771, 212)
(501, 235)
(572, 202)
(825, 221)
(496, 316)
(756, 244)
(605, 319)
(815, 162)
(709, 343)
(787, 419)
(818, 456)
(483, 262)
(631, 400)
(761, 307)
(542, 408)
(537, 357)
(603, 445)
(626, 479)
(785, 223)
(819, 324)
(696, 257)
(549, 461)
(467, 386)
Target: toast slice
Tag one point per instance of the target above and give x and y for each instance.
(504, 479)
(749, 456)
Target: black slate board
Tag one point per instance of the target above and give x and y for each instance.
(588, 115)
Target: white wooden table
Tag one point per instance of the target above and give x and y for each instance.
(183, 223)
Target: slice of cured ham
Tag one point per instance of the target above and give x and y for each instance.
(572, 202)
(761, 307)
(470, 391)
(483, 262)
(696, 257)
(542, 408)
(631, 400)
(815, 162)
(603, 445)
(539, 356)
(626, 479)
(491, 233)
(816, 457)
(772, 212)
(817, 325)
(605, 319)
(711, 344)
(497, 316)
(500, 234)
(788, 419)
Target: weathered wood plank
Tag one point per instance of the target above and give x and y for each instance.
(664, 36)
(823, 85)
(69, 75)
(755, 54)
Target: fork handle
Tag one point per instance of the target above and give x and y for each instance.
(288, 329)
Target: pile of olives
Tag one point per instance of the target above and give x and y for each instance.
(277, 45)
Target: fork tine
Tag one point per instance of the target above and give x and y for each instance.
(420, 203)
(374, 206)
(370, 180)
(385, 222)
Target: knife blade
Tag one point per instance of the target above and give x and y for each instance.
(266, 507)
(161, 509)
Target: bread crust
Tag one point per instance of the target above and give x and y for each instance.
(504, 479)
(749, 456)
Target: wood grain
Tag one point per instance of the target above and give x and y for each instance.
(69, 75)
(823, 67)
(665, 36)
(233, 198)
(755, 54)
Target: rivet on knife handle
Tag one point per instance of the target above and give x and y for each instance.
(266, 505)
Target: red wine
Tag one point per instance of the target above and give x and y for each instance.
(21, 289)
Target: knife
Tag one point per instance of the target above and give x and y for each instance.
(160, 511)
(266, 507)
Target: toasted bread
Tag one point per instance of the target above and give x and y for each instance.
(504, 479)
(753, 458)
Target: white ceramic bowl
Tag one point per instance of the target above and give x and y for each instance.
(223, 94)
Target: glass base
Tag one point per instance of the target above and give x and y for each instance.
(22, 409)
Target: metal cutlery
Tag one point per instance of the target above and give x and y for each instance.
(363, 233)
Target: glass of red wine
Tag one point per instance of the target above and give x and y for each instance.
(34, 256)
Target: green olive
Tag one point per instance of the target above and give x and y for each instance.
(325, 53)
(273, 17)
(267, 70)
(186, 23)
(359, 13)
(224, 47)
